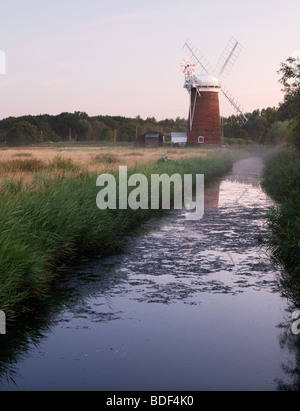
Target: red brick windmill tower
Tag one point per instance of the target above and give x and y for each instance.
(204, 124)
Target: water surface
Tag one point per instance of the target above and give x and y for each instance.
(190, 305)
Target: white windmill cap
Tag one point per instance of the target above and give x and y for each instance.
(207, 80)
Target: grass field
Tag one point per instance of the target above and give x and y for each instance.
(23, 162)
(99, 156)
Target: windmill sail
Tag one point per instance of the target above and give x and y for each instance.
(236, 105)
(193, 52)
(228, 58)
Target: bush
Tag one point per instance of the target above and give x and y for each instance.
(105, 158)
(31, 165)
(281, 180)
(237, 141)
(294, 134)
(281, 175)
(278, 133)
(66, 164)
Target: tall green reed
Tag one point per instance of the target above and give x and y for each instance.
(52, 222)
(281, 180)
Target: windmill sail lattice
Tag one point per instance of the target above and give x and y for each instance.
(200, 60)
(228, 58)
(235, 104)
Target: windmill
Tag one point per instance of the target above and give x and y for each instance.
(204, 124)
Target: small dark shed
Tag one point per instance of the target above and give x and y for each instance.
(152, 139)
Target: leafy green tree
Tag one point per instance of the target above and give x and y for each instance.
(290, 108)
(107, 134)
(269, 116)
(47, 132)
(241, 133)
(78, 122)
(151, 120)
(23, 133)
(128, 131)
(254, 125)
(180, 124)
(278, 133)
(61, 124)
(2, 136)
(97, 129)
(8, 123)
(230, 126)
(83, 130)
(290, 76)
(290, 79)
(294, 134)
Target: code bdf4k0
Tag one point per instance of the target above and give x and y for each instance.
(171, 400)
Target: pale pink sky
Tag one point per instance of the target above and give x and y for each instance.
(122, 57)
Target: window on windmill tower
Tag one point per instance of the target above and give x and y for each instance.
(201, 140)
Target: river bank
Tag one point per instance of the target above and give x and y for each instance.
(281, 180)
(187, 306)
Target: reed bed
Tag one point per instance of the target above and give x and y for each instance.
(52, 221)
(281, 180)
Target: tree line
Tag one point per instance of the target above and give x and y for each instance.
(272, 125)
(79, 126)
